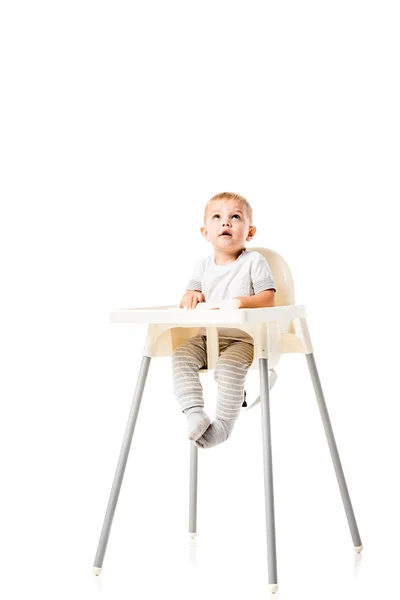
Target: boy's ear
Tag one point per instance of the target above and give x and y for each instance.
(252, 232)
(203, 231)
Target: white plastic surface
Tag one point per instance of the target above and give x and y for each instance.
(206, 315)
(275, 330)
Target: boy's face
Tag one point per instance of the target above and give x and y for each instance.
(227, 226)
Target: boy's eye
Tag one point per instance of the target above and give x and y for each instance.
(235, 215)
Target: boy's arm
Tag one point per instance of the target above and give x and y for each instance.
(263, 285)
(263, 299)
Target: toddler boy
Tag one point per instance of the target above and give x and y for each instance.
(231, 272)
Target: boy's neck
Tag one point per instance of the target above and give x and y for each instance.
(224, 258)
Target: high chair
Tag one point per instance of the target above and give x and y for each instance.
(281, 329)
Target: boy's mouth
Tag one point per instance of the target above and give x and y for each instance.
(225, 233)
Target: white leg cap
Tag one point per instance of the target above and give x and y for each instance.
(192, 535)
(358, 548)
(192, 540)
(273, 588)
(96, 570)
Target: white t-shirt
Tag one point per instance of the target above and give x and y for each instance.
(248, 275)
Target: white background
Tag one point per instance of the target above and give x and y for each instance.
(119, 120)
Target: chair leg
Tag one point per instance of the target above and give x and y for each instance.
(193, 490)
(123, 458)
(334, 452)
(268, 476)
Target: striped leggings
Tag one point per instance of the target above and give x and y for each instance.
(235, 359)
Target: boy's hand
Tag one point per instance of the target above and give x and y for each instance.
(191, 299)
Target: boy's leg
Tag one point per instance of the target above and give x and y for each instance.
(187, 359)
(233, 363)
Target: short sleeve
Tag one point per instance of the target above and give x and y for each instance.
(196, 277)
(261, 276)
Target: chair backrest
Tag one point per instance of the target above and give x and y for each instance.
(281, 275)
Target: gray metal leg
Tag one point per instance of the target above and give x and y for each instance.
(193, 489)
(123, 457)
(268, 477)
(334, 452)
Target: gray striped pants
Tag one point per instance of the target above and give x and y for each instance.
(235, 359)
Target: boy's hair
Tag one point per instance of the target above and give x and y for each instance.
(230, 196)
